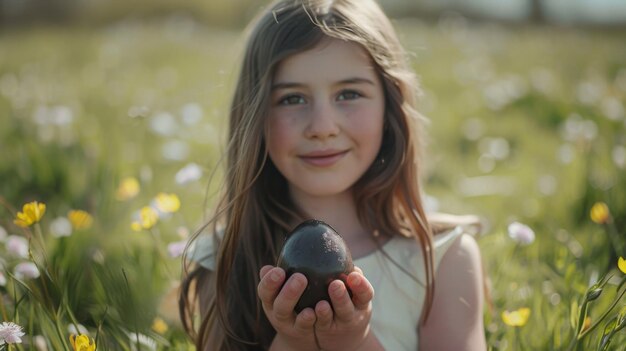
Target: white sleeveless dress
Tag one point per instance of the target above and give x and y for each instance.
(398, 300)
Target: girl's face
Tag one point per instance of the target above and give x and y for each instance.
(326, 118)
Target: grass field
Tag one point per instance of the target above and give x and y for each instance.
(528, 124)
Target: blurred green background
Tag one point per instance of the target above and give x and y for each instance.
(527, 123)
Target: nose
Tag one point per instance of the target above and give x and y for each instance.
(322, 121)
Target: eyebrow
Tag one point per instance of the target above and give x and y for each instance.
(354, 80)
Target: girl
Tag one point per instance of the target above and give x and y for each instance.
(323, 125)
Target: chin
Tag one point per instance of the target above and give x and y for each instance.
(323, 189)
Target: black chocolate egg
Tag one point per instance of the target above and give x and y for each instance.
(315, 249)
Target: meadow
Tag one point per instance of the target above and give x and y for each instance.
(118, 130)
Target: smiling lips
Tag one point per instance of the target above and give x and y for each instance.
(325, 158)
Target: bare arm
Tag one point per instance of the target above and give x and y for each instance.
(371, 343)
(456, 319)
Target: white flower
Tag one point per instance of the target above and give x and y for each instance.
(176, 248)
(17, 245)
(191, 113)
(77, 329)
(521, 233)
(60, 226)
(3, 234)
(163, 123)
(40, 343)
(175, 150)
(191, 172)
(182, 232)
(145, 342)
(26, 270)
(10, 333)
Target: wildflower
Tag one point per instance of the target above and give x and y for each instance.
(98, 256)
(10, 333)
(27, 270)
(593, 292)
(40, 343)
(145, 342)
(17, 246)
(128, 189)
(182, 232)
(80, 219)
(191, 113)
(82, 343)
(191, 172)
(175, 150)
(599, 213)
(621, 264)
(176, 248)
(167, 203)
(31, 214)
(73, 328)
(60, 227)
(147, 218)
(517, 318)
(164, 123)
(159, 325)
(521, 233)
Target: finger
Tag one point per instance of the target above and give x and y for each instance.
(357, 269)
(269, 286)
(342, 304)
(362, 290)
(288, 296)
(305, 320)
(264, 270)
(324, 315)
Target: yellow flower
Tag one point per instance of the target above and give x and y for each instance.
(147, 219)
(621, 264)
(128, 189)
(159, 325)
(167, 203)
(599, 213)
(80, 219)
(517, 318)
(82, 343)
(31, 214)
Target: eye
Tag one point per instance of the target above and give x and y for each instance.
(349, 95)
(292, 99)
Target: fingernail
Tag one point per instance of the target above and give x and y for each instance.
(297, 283)
(337, 289)
(275, 276)
(355, 280)
(324, 308)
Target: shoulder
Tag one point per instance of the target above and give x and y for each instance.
(459, 276)
(203, 249)
(458, 302)
(464, 250)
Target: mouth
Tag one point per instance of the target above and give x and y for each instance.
(324, 158)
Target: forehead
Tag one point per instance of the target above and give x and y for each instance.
(330, 60)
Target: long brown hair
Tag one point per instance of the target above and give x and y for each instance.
(255, 211)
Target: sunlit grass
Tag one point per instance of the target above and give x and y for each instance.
(527, 125)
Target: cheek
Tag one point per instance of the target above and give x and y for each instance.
(367, 122)
(281, 133)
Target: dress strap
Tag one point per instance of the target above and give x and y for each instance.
(443, 241)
